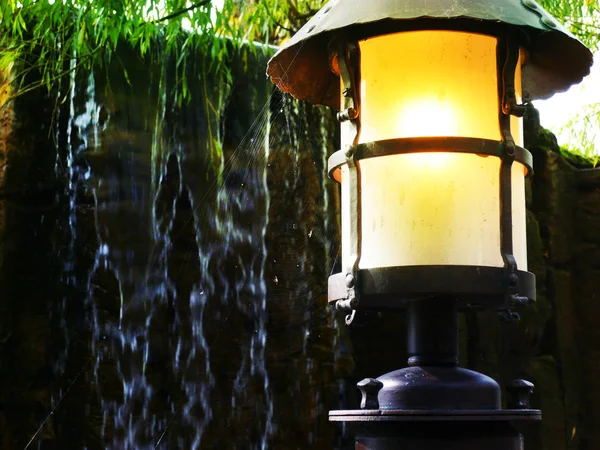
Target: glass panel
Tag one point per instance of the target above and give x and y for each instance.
(434, 208)
(429, 83)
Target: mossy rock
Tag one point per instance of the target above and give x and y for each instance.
(546, 140)
(577, 159)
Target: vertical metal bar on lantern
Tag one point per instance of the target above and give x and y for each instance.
(348, 60)
(508, 53)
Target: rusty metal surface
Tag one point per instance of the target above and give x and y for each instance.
(348, 54)
(556, 60)
(428, 144)
(475, 287)
(507, 62)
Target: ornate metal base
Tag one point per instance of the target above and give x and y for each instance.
(437, 388)
(433, 404)
(426, 408)
(474, 287)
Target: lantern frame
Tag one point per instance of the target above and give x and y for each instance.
(433, 403)
(475, 287)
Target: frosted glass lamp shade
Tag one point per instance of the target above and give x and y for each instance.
(430, 83)
(434, 207)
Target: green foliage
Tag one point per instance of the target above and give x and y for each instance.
(52, 38)
(579, 160)
(583, 131)
(546, 140)
(581, 17)
(42, 41)
(55, 37)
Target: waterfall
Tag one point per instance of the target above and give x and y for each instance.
(193, 244)
(167, 248)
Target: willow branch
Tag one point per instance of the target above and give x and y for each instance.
(275, 21)
(296, 11)
(182, 11)
(583, 25)
(41, 83)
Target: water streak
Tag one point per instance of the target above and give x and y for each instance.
(169, 260)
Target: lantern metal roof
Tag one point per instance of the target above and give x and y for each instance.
(556, 59)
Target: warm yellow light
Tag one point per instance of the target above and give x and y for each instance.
(430, 83)
(416, 119)
(432, 208)
(429, 162)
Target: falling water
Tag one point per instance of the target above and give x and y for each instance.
(204, 251)
(194, 247)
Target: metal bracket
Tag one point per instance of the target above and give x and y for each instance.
(509, 104)
(508, 58)
(348, 57)
(509, 316)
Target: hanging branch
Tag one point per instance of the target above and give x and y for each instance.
(183, 11)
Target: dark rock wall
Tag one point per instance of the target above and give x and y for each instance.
(555, 343)
(30, 228)
(564, 251)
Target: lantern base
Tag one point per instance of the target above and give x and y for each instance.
(436, 388)
(427, 408)
(474, 287)
(433, 403)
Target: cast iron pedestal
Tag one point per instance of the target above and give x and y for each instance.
(433, 404)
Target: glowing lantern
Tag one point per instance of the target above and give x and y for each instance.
(432, 170)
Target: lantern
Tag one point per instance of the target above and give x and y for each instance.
(432, 169)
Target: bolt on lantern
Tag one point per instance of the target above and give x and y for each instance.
(432, 170)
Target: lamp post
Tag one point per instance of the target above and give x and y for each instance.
(432, 170)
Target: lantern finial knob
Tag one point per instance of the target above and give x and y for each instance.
(369, 388)
(520, 390)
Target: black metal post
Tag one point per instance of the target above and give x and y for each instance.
(433, 332)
